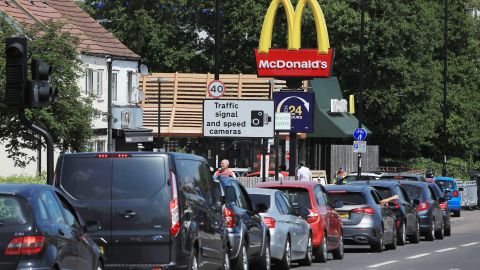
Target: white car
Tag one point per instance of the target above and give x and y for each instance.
(364, 176)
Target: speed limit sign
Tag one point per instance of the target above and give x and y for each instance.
(216, 89)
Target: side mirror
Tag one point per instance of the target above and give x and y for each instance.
(303, 212)
(337, 204)
(460, 189)
(441, 200)
(415, 202)
(92, 226)
(261, 208)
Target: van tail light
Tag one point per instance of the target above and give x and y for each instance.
(443, 206)
(174, 211)
(363, 210)
(423, 206)
(270, 222)
(455, 193)
(26, 245)
(229, 218)
(314, 216)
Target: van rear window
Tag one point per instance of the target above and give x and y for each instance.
(87, 178)
(12, 211)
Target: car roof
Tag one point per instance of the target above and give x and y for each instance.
(23, 190)
(279, 184)
(406, 174)
(266, 191)
(381, 183)
(365, 174)
(352, 188)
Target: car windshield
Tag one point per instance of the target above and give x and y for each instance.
(385, 192)
(260, 198)
(349, 198)
(445, 184)
(414, 192)
(12, 211)
(298, 196)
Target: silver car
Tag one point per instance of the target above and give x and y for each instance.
(291, 236)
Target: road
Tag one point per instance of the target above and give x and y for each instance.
(460, 251)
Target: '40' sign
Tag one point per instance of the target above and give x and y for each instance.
(300, 105)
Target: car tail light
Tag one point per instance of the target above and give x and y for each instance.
(314, 216)
(443, 206)
(364, 210)
(423, 206)
(397, 223)
(174, 211)
(26, 245)
(397, 204)
(229, 218)
(270, 222)
(455, 193)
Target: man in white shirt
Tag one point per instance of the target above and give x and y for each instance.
(303, 173)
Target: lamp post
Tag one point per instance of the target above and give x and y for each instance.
(217, 39)
(109, 104)
(444, 107)
(360, 84)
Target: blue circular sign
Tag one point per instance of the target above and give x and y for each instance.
(360, 134)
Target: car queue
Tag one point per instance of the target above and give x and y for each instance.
(176, 215)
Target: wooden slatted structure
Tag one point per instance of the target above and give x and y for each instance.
(182, 95)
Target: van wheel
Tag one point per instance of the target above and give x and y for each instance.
(307, 261)
(321, 251)
(194, 260)
(241, 263)
(265, 260)
(338, 252)
(286, 260)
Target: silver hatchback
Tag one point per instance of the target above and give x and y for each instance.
(291, 237)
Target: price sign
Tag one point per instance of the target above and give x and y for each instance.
(216, 89)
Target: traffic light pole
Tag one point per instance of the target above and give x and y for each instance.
(48, 138)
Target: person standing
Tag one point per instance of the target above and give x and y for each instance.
(224, 171)
(303, 172)
(339, 176)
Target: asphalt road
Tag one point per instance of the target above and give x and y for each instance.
(460, 251)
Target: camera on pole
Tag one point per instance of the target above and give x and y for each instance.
(16, 71)
(38, 93)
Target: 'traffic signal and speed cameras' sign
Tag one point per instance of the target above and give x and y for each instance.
(238, 118)
(216, 89)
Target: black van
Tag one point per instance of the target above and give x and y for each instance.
(156, 210)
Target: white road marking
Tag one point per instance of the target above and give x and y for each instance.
(446, 249)
(380, 264)
(419, 255)
(470, 244)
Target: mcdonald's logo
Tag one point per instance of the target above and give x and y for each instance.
(294, 61)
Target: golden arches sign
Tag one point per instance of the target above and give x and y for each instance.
(294, 62)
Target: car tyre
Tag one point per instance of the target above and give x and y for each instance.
(241, 263)
(266, 259)
(226, 261)
(430, 235)
(193, 265)
(307, 261)
(440, 232)
(321, 252)
(378, 245)
(456, 213)
(402, 234)
(340, 250)
(393, 244)
(415, 238)
(286, 260)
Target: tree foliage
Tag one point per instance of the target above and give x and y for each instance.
(69, 119)
(403, 77)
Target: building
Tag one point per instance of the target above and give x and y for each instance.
(96, 48)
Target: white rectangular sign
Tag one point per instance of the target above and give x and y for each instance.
(283, 121)
(360, 147)
(238, 118)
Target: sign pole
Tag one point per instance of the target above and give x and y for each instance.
(277, 155)
(293, 154)
(360, 90)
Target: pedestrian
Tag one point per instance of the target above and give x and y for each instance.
(303, 172)
(339, 176)
(224, 171)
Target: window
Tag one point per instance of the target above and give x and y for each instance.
(100, 146)
(319, 196)
(385, 192)
(287, 204)
(130, 86)
(376, 196)
(114, 86)
(349, 198)
(194, 178)
(260, 198)
(297, 196)
(94, 82)
(68, 211)
(12, 211)
(52, 208)
(280, 204)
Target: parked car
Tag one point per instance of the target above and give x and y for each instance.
(248, 236)
(163, 204)
(291, 235)
(323, 218)
(428, 210)
(406, 221)
(403, 176)
(40, 229)
(364, 176)
(452, 191)
(365, 220)
(440, 197)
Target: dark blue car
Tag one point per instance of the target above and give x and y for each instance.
(40, 229)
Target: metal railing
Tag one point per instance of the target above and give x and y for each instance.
(469, 193)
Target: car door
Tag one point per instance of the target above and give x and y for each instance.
(85, 253)
(334, 221)
(410, 211)
(387, 216)
(299, 227)
(437, 212)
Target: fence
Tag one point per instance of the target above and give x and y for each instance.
(469, 193)
(249, 182)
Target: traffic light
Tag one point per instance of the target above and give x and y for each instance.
(38, 93)
(16, 71)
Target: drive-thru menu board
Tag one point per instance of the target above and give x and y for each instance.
(238, 118)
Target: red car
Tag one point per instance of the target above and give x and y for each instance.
(323, 219)
(270, 173)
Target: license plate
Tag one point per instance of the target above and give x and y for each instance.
(343, 215)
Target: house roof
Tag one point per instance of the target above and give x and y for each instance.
(94, 39)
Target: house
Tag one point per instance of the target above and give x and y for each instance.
(98, 49)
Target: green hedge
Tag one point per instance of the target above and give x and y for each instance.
(456, 167)
(23, 179)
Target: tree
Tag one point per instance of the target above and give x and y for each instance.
(69, 119)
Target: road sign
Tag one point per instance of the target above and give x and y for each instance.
(283, 121)
(300, 105)
(360, 134)
(216, 89)
(238, 118)
(360, 147)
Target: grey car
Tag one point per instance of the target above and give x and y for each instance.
(291, 236)
(365, 221)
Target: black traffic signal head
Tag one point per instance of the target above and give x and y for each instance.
(38, 93)
(16, 71)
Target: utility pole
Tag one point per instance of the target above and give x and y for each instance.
(217, 39)
(109, 104)
(360, 90)
(445, 78)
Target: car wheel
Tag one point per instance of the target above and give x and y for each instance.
(241, 263)
(226, 261)
(439, 232)
(340, 250)
(265, 260)
(99, 265)
(321, 252)
(415, 238)
(402, 234)
(456, 213)
(430, 235)
(194, 260)
(286, 261)
(393, 244)
(307, 261)
(378, 246)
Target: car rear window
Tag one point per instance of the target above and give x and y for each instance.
(298, 196)
(414, 192)
(13, 211)
(260, 198)
(445, 184)
(349, 198)
(385, 192)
